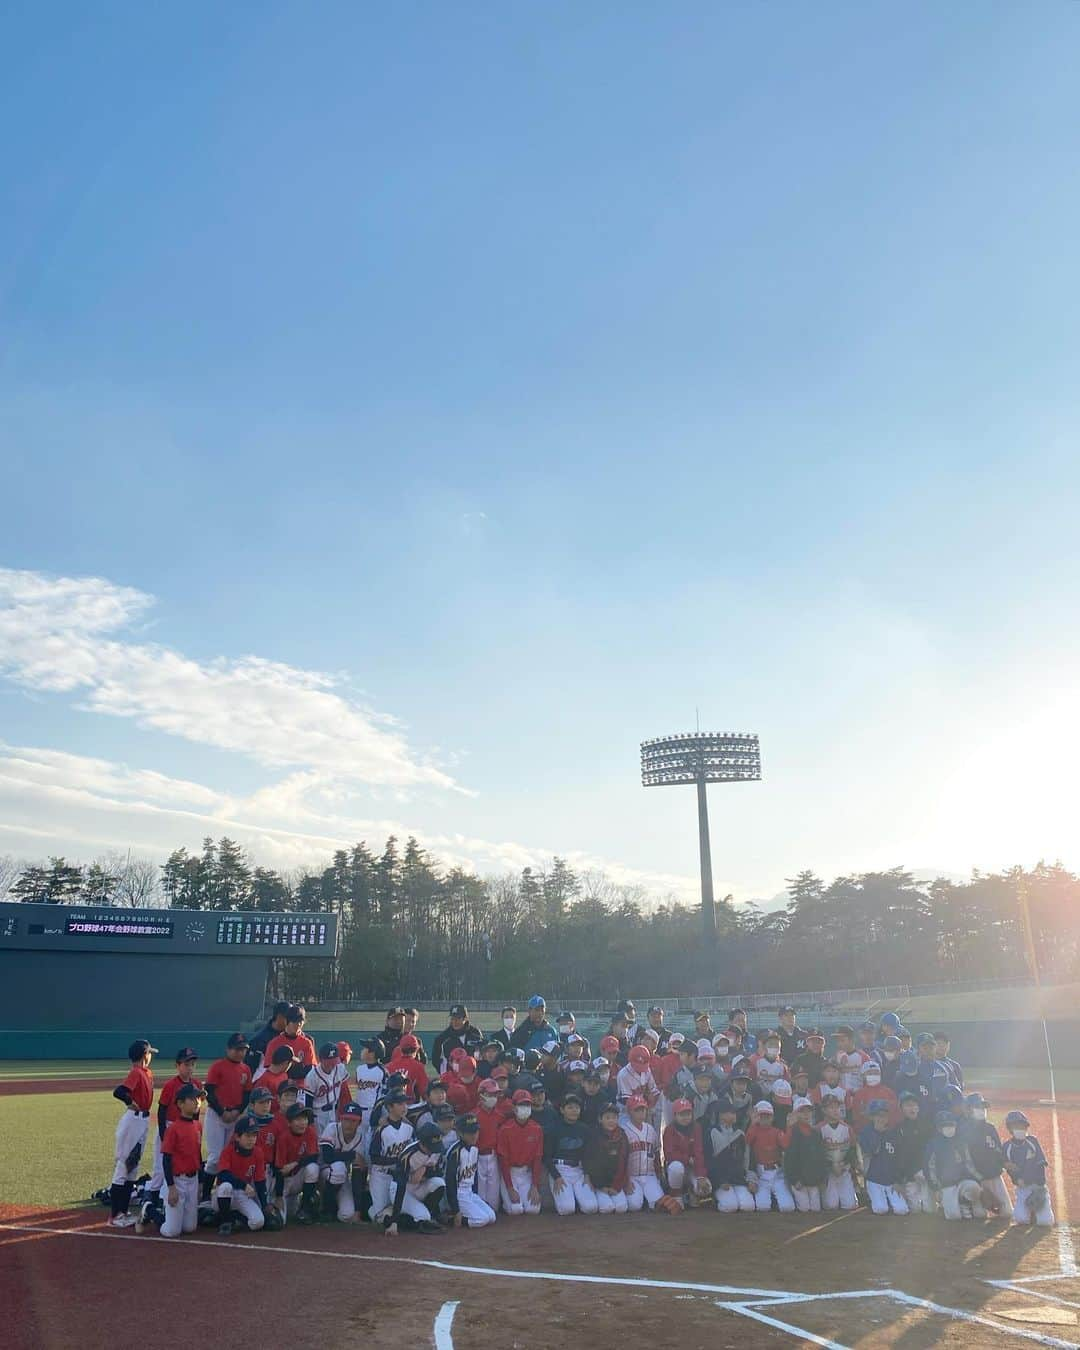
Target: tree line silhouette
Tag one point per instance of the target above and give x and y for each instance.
(410, 928)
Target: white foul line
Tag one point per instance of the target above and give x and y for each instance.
(443, 1322)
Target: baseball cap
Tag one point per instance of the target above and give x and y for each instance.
(786, 1010)
(466, 1124)
(782, 1090)
(639, 1055)
(976, 1099)
(466, 1064)
(261, 1094)
(489, 1086)
(536, 1086)
(376, 1047)
(925, 1038)
(609, 1108)
(296, 1013)
(408, 1043)
(282, 1055)
(600, 1062)
(288, 1088)
(280, 1008)
(236, 1040)
(444, 1112)
(296, 1111)
(576, 1066)
(565, 1017)
(619, 1016)
(396, 1095)
(701, 1015)
(550, 1048)
(871, 1066)
(329, 1050)
(765, 1107)
(815, 1034)
(189, 1092)
(676, 1039)
(186, 1055)
(521, 1098)
(396, 1011)
(802, 1104)
(428, 1135)
(459, 1010)
(845, 1030)
(609, 1045)
(656, 1008)
(397, 1079)
(537, 1001)
(139, 1047)
(571, 1097)
(247, 1125)
(682, 1105)
(906, 1096)
(635, 1102)
(434, 1084)
(353, 1109)
(878, 1108)
(707, 1056)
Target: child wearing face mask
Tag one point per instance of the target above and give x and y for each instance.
(873, 1089)
(520, 1151)
(984, 1145)
(913, 1136)
(879, 1151)
(1026, 1164)
(492, 1110)
(768, 1067)
(951, 1172)
(890, 1061)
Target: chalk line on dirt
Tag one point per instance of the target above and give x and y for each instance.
(443, 1322)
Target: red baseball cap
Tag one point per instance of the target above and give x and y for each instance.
(408, 1043)
(682, 1105)
(344, 1049)
(635, 1102)
(609, 1045)
(489, 1086)
(522, 1098)
(466, 1064)
(639, 1057)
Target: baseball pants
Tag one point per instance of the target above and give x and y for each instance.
(337, 1174)
(953, 1207)
(381, 1186)
(521, 1178)
(771, 1185)
(1001, 1191)
(157, 1175)
(840, 1192)
(577, 1193)
(611, 1204)
(807, 1199)
(646, 1191)
(478, 1212)
(130, 1135)
(294, 1184)
(183, 1217)
(730, 1199)
(243, 1204)
(413, 1200)
(676, 1177)
(1044, 1215)
(919, 1197)
(487, 1179)
(884, 1198)
(217, 1134)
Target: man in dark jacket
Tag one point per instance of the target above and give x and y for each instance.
(262, 1038)
(792, 1036)
(459, 1035)
(393, 1031)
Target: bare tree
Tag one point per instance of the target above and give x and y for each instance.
(138, 883)
(9, 869)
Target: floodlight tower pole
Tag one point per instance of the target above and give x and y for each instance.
(708, 902)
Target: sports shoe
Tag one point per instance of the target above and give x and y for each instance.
(123, 1221)
(305, 1217)
(428, 1226)
(224, 1229)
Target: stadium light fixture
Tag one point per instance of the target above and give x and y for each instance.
(701, 758)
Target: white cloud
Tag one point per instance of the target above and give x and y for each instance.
(58, 635)
(92, 804)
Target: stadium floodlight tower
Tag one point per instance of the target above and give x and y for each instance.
(702, 757)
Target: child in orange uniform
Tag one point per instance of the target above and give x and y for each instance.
(137, 1094)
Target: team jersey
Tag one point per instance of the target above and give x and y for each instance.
(389, 1141)
(183, 1143)
(369, 1082)
(766, 1144)
(327, 1091)
(244, 1168)
(266, 1078)
(413, 1167)
(838, 1093)
(344, 1150)
(463, 1096)
(268, 1130)
(231, 1083)
(879, 1151)
(629, 1083)
(767, 1072)
(851, 1062)
(459, 1168)
(140, 1083)
(1026, 1161)
(290, 1148)
(490, 1122)
(520, 1145)
(838, 1139)
(303, 1048)
(167, 1095)
(729, 1157)
(642, 1144)
(860, 1105)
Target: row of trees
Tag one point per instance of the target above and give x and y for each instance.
(410, 928)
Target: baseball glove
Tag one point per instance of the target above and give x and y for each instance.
(1037, 1199)
(970, 1193)
(669, 1204)
(702, 1188)
(989, 1199)
(132, 1159)
(274, 1222)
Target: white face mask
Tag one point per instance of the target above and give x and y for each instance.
(890, 1055)
(978, 1113)
(948, 1131)
(523, 1112)
(872, 1079)
(509, 1023)
(487, 1102)
(722, 1051)
(1019, 1134)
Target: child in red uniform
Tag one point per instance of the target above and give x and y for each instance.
(607, 1154)
(872, 1090)
(186, 1059)
(241, 1178)
(303, 1047)
(137, 1094)
(766, 1144)
(261, 1108)
(491, 1113)
(275, 1072)
(181, 1157)
(228, 1083)
(463, 1086)
(684, 1153)
(520, 1151)
(296, 1165)
(405, 1060)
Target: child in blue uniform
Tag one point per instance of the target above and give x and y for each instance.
(1026, 1164)
(987, 1154)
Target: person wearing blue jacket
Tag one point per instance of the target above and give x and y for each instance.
(1026, 1164)
(987, 1153)
(878, 1147)
(951, 1172)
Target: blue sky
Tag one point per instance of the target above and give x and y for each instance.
(539, 375)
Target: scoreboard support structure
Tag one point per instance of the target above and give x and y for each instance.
(81, 981)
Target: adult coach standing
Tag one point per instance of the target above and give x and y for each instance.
(258, 1043)
(460, 1034)
(536, 1030)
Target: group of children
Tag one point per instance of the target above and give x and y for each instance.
(283, 1131)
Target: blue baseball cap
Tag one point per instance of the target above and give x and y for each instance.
(537, 1001)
